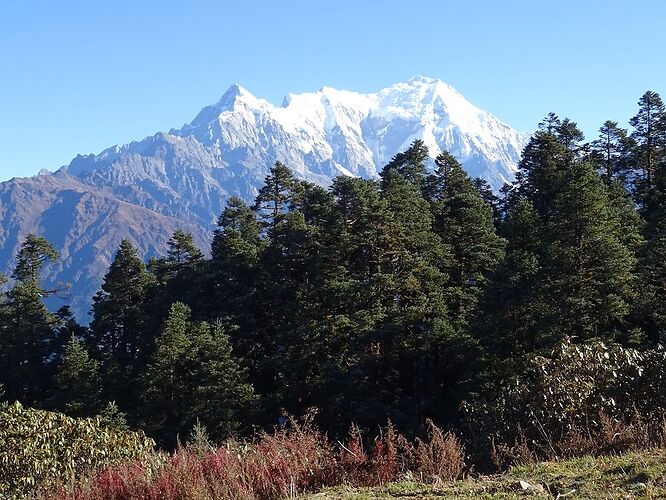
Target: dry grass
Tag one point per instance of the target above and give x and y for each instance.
(604, 436)
(284, 464)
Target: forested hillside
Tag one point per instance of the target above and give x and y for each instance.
(401, 298)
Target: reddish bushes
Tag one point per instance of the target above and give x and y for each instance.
(441, 458)
(279, 465)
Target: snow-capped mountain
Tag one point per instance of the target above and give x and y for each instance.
(145, 189)
(333, 132)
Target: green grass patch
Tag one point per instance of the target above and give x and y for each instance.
(633, 475)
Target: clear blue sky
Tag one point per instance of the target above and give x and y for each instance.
(77, 76)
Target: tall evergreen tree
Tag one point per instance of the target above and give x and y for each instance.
(569, 135)
(650, 137)
(550, 124)
(653, 279)
(78, 384)
(29, 327)
(34, 253)
(464, 221)
(118, 336)
(588, 270)
(275, 284)
(385, 313)
(192, 377)
(485, 191)
(570, 263)
(232, 269)
(275, 196)
(410, 164)
(542, 169)
(514, 318)
(179, 277)
(611, 152)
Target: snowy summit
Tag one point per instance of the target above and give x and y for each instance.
(146, 189)
(332, 132)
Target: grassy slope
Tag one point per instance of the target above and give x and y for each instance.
(634, 475)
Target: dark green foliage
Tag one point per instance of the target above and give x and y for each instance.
(34, 253)
(178, 277)
(570, 266)
(653, 280)
(514, 311)
(489, 197)
(410, 164)
(27, 343)
(398, 297)
(611, 152)
(231, 273)
(588, 271)
(118, 336)
(542, 170)
(276, 195)
(464, 222)
(192, 377)
(650, 137)
(77, 382)
(112, 417)
(569, 135)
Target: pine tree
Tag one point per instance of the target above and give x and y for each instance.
(588, 271)
(167, 381)
(416, 266)
(410, 164)
(179, 277)
(193, 377)
(515, 313)
(287, 260)
(611, 152)
(232, 269)
(653, 280)
(290, 281)
(77, 382)
(383, 301)
(275, 196)
(464, 221)
(237, 233)
(118, 336)
(35, 252)
(569, 135)
(487, 194)
(542, 169)
(223, 397)
(650, 138)
(550, 124)
(569, 267)
(28, 331)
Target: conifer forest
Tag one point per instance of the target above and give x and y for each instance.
(519, 320)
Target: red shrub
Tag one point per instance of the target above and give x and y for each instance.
(286, 463)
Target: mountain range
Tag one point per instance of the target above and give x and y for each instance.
(147, 189)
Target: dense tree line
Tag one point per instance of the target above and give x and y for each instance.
(371, 299)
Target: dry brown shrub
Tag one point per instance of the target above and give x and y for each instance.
(441, 457)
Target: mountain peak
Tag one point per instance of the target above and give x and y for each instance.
(422, 79)
(146, 189)
(232, 94)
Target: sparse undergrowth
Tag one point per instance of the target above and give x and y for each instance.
(284, 464)
(631, 475)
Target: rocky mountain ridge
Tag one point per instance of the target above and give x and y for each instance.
(146, 189)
